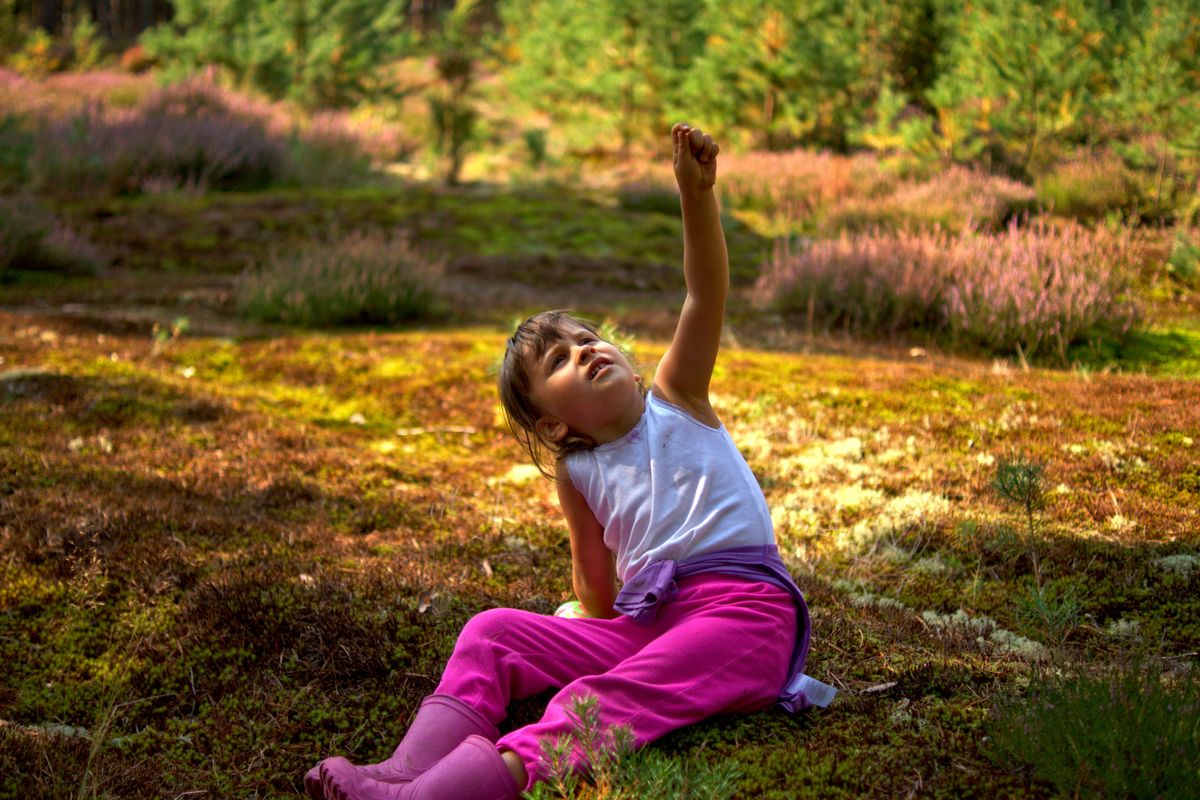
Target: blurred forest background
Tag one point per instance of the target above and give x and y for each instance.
(870, 126)
(259, 258)
(1020, 87)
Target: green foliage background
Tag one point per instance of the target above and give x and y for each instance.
(320, 53)
(1017, 84)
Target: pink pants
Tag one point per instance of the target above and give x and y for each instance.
(722, 645)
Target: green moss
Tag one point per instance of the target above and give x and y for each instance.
(285, 553)
(1173, 351)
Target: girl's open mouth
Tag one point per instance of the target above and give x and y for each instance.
(598, 369)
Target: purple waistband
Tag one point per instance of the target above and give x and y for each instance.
(655, 584)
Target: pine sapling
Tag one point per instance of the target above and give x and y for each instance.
(1022, 481)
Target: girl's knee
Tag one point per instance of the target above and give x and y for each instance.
(488, 626)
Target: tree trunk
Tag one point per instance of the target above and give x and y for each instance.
(103, 18)
(50, 16)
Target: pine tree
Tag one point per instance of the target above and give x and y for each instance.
(786, 72)
(320, 53)
(595, 66)
(1157, 75)
(1023, 76)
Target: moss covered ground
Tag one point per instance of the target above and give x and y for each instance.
(228, 553)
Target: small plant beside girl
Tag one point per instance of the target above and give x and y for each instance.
(705, 618)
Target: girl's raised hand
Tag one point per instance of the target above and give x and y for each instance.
(695, 158)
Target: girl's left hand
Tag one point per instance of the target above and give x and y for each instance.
(695, 157)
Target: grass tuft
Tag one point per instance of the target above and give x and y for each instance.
(1131, 732)
(362, 280)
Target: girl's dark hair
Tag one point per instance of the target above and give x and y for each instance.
(532, 339)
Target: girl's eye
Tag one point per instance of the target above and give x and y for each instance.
(558, 360)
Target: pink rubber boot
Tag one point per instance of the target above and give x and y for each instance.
(441, 724)
(472, 771)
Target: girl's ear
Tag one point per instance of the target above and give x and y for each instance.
(551, 429)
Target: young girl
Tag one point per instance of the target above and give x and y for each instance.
(655, 494)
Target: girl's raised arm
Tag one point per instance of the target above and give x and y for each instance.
(684, 373)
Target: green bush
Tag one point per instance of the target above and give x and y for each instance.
(87, 48)
(362, 280)
(1184, 262)
(39, 55)
(1133, 732)
(1088, 188)
(325, 156)
(649, 197)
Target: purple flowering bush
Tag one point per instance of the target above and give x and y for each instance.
(1038, 287)
(957, 198)
(182, 136)
(799, 182)
(803, 191)
(192, 135)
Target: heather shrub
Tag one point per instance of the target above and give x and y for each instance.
(120, 151)
(1028, 288)
(192, 135)
(32, 240)
(1131, 732)
(799, 182)
(16, 146)
(1040, 286)
(1087, 188)
(782, 192)
(615, 771)
(63, 94)
(337, 147)
(955, 199)
(361, 280)
(802, 190)
(21, 234)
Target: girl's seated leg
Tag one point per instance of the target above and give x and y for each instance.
(726, 647)
(506, 654)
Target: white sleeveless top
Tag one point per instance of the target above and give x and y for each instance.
(672, 488)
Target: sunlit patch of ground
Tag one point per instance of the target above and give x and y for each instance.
(234, 556)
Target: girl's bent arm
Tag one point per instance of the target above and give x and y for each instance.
(592, 571)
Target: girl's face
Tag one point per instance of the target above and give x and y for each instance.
(584, 384)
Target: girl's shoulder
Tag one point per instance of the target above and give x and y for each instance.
(701, 414)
